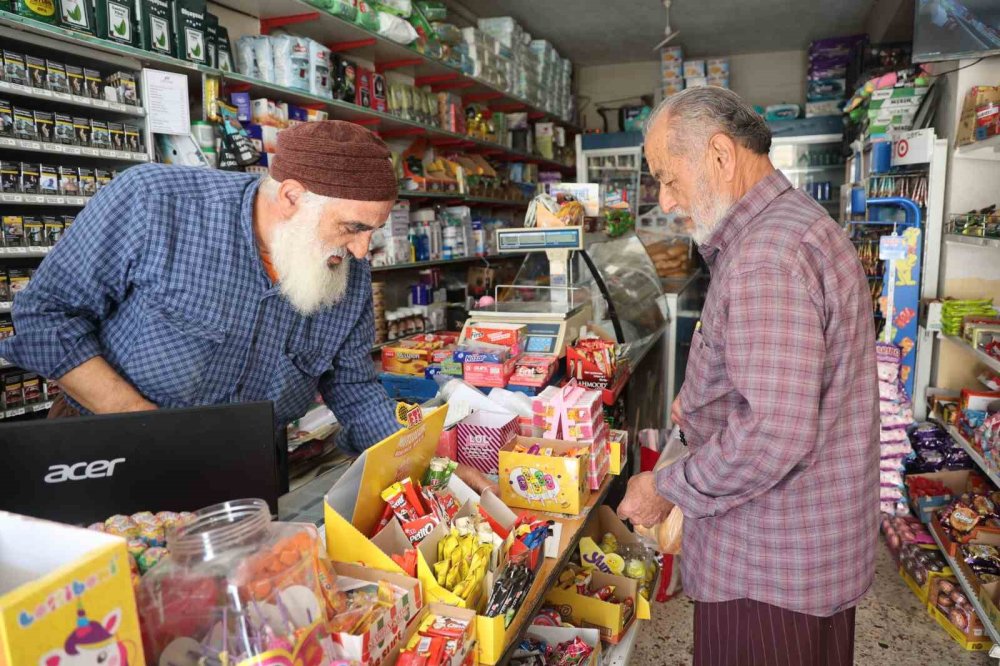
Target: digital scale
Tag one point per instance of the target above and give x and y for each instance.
(556, 313)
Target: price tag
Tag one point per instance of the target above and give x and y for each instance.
(92, 152)
(7, 141)
(5, 86)
(892, 248)
(60, 201)
(109, 153)
(66, 97)
(33, 145)
(17, 87)
(15, 412)
(41, 407)
(37, 249)
(6, 305)
(34, 198)
(142, 157)
(41, 92)
(100, 103)
(71, 150)
(19, 250)
(12, 198)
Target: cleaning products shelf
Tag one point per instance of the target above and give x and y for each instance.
(72, 100)
(977, 241)
(303, 18)
(972, 596)
(983, 357)
(981, 150)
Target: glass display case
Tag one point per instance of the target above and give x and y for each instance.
(814, 164)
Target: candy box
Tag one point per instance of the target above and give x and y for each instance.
(925, 504)
(481, 435)
(599, 459)
(593, 362)
(82, 581)
(617, 451)
(481, 354)
(556, 636)
(486, 374)
(508, 335)
(533, 370)
(555, 483)
(466, 653)
(374, 644)
(951, 608)
(613, 617)
(989, 597)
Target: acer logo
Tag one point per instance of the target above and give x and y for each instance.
(97, 469)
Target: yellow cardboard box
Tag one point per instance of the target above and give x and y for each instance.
(64, 589)
(612, 618)
(618, 450)
(442, 610)
(544, 483)
(557, 635)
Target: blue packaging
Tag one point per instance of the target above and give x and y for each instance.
(241, 100)
(463, 356)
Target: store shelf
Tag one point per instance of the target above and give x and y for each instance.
(445, 262)
(976, 456)
(7, 143)
(487, 201)
(980, 150)
(5, 307)
(819, 168)
(983, 357)
(23, 252)
(27, 409)
(457, 196)
(808, 139)
(43, 200)
(972, 596)
(976, 241)
(71, 100)
(358, 42)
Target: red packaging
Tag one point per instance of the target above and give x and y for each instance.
(530, 370)
(384, 520)
(417, 530)
(363, 87)
(378, 99)
(592, 361)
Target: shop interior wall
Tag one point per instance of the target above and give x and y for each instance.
(761, 78)
(966, 272)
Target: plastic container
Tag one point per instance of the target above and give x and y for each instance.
(234, 583)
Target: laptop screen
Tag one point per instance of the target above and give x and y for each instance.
(83, 470)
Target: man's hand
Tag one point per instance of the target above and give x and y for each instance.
(101, 390)
(675, 412)
(643, 504)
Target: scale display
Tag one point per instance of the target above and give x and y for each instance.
(527, 240)
(543, 338)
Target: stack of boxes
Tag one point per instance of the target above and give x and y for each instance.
(827, 80)
(893, 109)
(530, 68)
(677, 74)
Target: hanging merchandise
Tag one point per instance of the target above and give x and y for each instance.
(116, 21)
(237, 148)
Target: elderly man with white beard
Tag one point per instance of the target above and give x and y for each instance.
(181, 286)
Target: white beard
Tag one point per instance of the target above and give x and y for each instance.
(706, 213)
(300, 260)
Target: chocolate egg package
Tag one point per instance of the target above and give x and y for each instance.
(235, 586)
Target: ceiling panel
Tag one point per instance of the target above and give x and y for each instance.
(604, 32)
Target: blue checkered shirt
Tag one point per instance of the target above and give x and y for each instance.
(161, 275)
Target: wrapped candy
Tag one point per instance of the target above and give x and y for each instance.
(150, 558)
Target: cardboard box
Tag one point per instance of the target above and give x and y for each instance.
(918, 590)
(989, 597)
(544, 483)
(611, 618)
(481, 435)
(599, 458)
(373, 645)
(464, 656)
(486, 374)
(555, 636)
(617, 451)
(533, 370)
(411, 356)
(976, 98)
(958, 482)
(694, 69)
(948, 605)
(40, 597)
(508, 335)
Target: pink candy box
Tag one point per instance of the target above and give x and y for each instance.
(530, 370)
(494, 375)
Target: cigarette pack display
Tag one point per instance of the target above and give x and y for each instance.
(92, 83)
(63, 131)
(69, 181)
(133, 139)
(480, 438)
(117, 133)
(55, 77)
(363, 94)
(44, 126)
(67, 220)
(116, 22)
(32, 388)
(125, 88)
(13, 231)
(88, 185)
(4, 293)
(81, 130)
(10, 177)
(211, 35)
(6, 118)
(48, 179)
(19, 279)
(99, 135)
(103, 178)
(14, 68)
(34, 236)
(53, 230)
(24, 124)
(13, 391)
(77, 15)
(346, 79)
(29, 178)
(553, 479)
(6, 323)
(74, 78)
(36, 71)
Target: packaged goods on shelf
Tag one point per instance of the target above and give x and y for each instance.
(978, 99)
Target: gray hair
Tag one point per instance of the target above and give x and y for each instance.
(269, 186)
(704, 111)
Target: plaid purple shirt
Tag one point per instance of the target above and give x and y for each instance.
(780, 404)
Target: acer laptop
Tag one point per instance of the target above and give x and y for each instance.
(83, 470)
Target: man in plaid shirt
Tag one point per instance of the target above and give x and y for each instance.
(184, 286)
(779, 489)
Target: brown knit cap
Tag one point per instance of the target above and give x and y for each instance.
(335, 158)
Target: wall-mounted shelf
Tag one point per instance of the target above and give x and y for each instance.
(8, 143)
(976, 241)
(71, 100)
(980, 150)
(42, 200)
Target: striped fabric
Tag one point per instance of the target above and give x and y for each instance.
(750, 633)
(480, 438)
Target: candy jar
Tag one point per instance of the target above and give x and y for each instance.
(235, 586)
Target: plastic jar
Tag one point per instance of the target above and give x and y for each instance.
(235, 583)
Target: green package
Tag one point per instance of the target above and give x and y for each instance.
(189, 29)
(40, 10)
(116, 21)
(223, 51)
(211, 39)
(367, 16)
(345, 9)
(433, 11)
(76, 15)
(156, 29)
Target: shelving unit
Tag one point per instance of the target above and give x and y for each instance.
(467, 198)
(24, 252)
(70, 100)
(445, 262)
(973, 598)
(8, 143)
(976, 456)
(980, 150)
(43, 200)
(975, 241)
(27, 409)
(981, 356)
